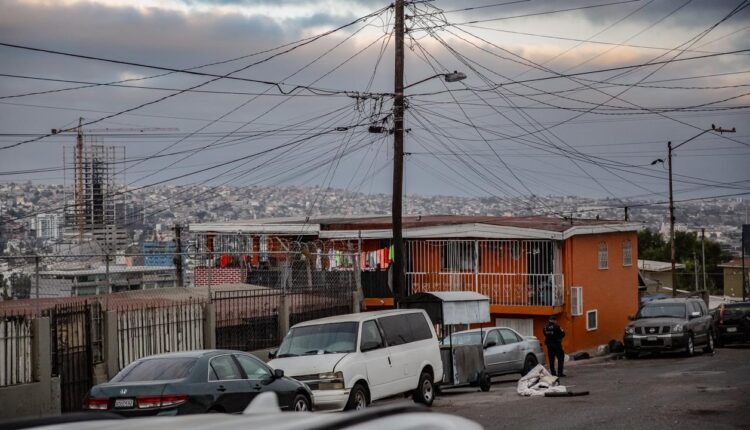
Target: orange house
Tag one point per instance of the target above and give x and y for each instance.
(583, 271)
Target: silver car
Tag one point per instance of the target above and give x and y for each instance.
(505, 350)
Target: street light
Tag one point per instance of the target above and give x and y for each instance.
(449, 77)
(671, 148)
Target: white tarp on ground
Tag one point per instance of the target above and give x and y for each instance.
(539, 381)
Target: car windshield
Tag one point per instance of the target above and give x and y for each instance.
(320, 339)
(470, 338)
(157, 369)
(662, 310)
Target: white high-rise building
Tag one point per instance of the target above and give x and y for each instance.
(48, 226)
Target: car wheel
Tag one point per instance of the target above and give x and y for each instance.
(301, 403)
(631, 355)
(710, 345)
(358, 398)
(529, 364)
(690, 349)
(425, 392)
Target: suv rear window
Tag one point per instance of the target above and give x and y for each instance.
(157, 369)
(736, 311)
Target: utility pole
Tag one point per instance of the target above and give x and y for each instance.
(398, 156)
(703, 256)
(695, 267)
(673, 256)
(178, 255)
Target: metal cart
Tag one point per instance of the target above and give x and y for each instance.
(462, 364)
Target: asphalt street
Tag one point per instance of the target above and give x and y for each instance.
(661, 392)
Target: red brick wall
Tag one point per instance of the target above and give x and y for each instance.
(220, 276)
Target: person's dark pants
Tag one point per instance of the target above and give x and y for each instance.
(556, 353)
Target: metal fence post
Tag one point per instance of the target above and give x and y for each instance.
(109, 283)
(111, 344)
(36, 287)
(284, 313)
(210, 278)
(209, 325)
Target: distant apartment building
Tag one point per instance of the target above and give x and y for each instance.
(158, 253)
(48, 226)
(87, 281)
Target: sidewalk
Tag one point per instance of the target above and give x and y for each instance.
(594, 360)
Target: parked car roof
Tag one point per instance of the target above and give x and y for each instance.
(672, 300)
(195, 354)
(357, 317)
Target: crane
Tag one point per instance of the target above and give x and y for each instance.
(79, 194)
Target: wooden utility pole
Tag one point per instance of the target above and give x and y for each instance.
(673, 252)
(703, 256)
(398, 157)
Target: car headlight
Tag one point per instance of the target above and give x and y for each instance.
(331, 375)
(331, 381)
(677, 328)
(629, 330)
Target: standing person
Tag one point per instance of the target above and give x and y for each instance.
(553, 336)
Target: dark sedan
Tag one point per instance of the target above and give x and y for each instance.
(195, 382)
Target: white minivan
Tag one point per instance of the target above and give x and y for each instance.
(351, 360)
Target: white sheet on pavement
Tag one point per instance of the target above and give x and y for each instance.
(539, 381)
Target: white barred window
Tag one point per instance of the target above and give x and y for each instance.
(603, 256)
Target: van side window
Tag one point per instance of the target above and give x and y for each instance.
(396, 329)
(371, 338)
(420, 330)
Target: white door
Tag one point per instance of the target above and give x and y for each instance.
(376, 358)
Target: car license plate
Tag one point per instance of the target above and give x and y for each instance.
(124, 403)
(651, 338)
(731, 329)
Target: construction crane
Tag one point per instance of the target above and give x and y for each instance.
(80, 201)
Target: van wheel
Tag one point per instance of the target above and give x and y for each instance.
(710, 344)
(425, 392)
(358, 399)
(485, 382)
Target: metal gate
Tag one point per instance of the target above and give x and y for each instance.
(73, 328)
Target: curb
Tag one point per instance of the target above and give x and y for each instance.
(594, 360)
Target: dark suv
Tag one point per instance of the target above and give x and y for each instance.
(670, 325)
(732, 323)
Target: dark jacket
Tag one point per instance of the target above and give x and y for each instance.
(553, 334)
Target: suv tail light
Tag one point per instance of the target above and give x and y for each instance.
(150, 402)
(721, 314)
(96, 404)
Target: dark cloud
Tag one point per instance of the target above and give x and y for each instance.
(178, 39)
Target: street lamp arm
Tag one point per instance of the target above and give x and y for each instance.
(449, 77)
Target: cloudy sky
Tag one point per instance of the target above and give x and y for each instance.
(513, 128)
